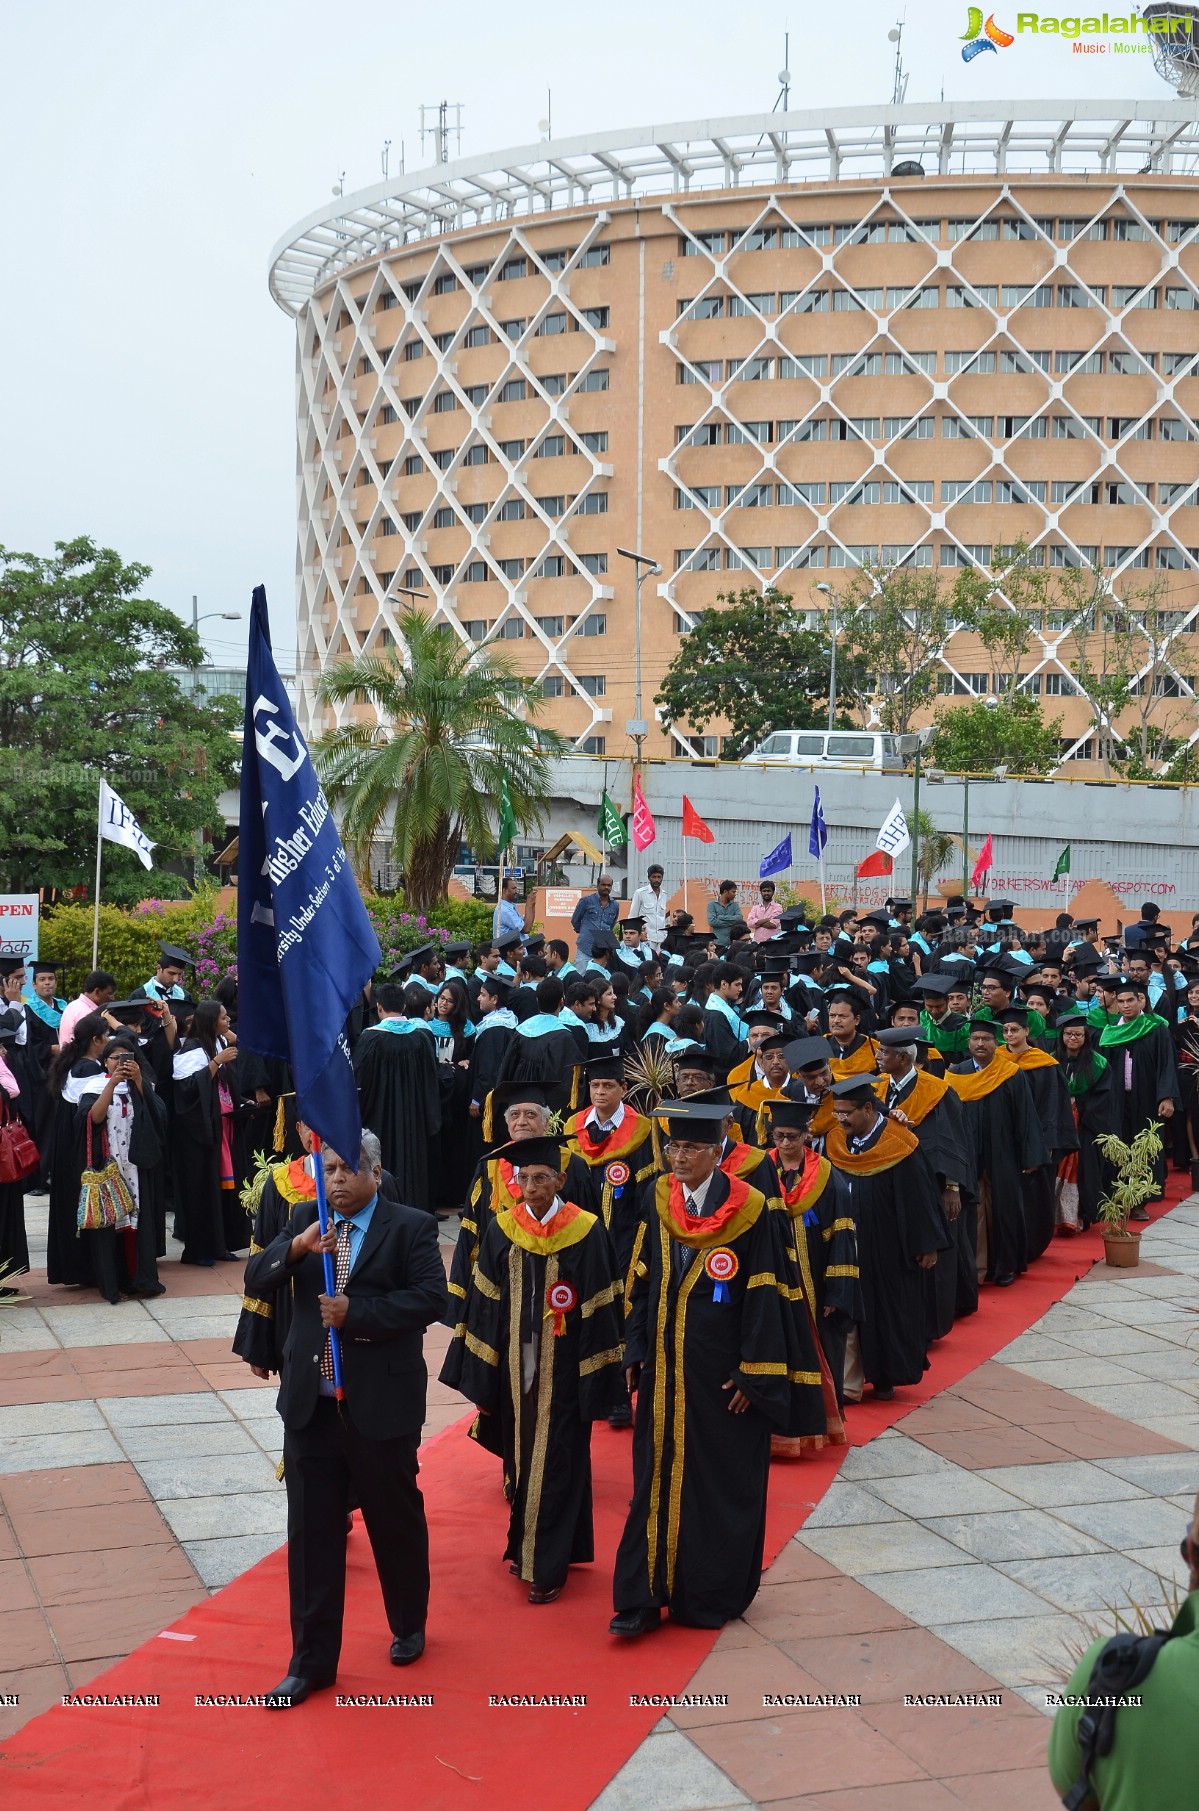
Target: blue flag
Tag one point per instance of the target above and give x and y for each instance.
(305, 946)
(818, 833)
(778, 861)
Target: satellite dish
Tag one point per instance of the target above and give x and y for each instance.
(894, 35)
(784, 76)
(909, 167)
(1173, 33)
(543, 125)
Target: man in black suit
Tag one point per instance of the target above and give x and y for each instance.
(390, 1287)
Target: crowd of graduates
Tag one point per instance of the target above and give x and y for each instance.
(711, 1184)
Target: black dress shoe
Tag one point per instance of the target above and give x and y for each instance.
(293, 1690)
(407, 1648)
(883, 1392)
(636, 1622)
(1005, 1282)
(621, 1415)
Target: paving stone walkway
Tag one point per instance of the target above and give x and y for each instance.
(970, 1550)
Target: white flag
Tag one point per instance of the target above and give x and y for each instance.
(119, 825)
(893, 838)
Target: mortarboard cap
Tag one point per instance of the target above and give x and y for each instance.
(509, 941)
(128, 1011)
(988, 1025)
(497, 986)
(42, 965)
(692, 1121)
(522, 1151)
(855, 1087)
(935, 984)
(714, 1097)
(760, 1016)
(602, 941)
(1086, 924)
(11, 965)
(1012, 1015)
(808, 1053)
(697, 1056)
(794, 919)
(902, 905)
(171, 956)
(794, 1113)
(455, 951)
(604, 1069)
(634, 922)
(511, 1094)
(895, 1037)
(422, 954)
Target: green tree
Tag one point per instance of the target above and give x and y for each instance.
(752, 662)
(84, 693)
(933, 849)
(896, 620)
(974, 738)
(452, 722)
(1004, 613)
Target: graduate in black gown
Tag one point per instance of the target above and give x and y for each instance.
(711, 1361)
(43, 1008)
(928, 1106)
(263, 1324)
(1051, 1098)
(539, 1354)
(901, 1227)
(1081, 1177)
(1139, 1047)
(121, 1112)
(68, 1258)
(494, 1031)
(543, 1049)
(14, 1245)
(395, 1063)
(1008, 1145)
(214, 1224)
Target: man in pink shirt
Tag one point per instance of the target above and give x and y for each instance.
(765, 919)
(98, 990)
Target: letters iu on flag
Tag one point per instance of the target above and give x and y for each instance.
(305, 946)
(644, 829)
(779, 859)
(119, 825)
(982, 867)
(693, 823)
(817, 830)
(893, 838)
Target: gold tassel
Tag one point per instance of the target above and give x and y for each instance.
(280, 1124)
(487, 1119)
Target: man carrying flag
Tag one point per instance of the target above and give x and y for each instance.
(352, 1386)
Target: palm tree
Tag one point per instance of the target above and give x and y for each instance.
(461, 722)
(934, 848)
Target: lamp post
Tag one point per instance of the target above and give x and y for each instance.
(646, 568)
(225, 616)
(829, 593)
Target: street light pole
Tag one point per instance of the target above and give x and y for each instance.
(637, 727)
(225, 616)
(829, 593)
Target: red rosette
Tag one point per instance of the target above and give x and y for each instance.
(616, 1174)
(560, 1298)
(721, 1265)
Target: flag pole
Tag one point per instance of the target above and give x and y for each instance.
(686, 907)
(99, 847)
(820, 859)
(322, 1214)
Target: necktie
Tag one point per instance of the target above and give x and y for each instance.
(692, 1206)
(341, 1272)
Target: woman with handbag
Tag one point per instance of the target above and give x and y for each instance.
(73, 1071)
(123, 1122)
(209, 1217)
(19, 1162)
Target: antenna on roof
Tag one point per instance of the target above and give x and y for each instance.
(899, 84)
(442, 128)
(385, 156)
(546, 126)
(782, 102)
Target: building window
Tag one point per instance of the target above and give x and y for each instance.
(475, 512)
(1077, 362)
(445, 458)
(596, 317)
(512, 569)
(513, 329)
(444, 402)
(445, 284)
(515, 390)
(442, 518)
(695, 246)
(595, 255)
(595, 503)
(476, 630)
(411, 520)
(553, 686)
(475, 573)
(512, 509)
(594, 684)
(706, 494)
(511, 629)
(591, 625)
(1059, 685)
(976, 363)
(552, 447)
(551, 566)
(476, 455)
(595, 380)
(412, 578)
(512, 268)
(595, 563)
(513, 450)
(596, 443)
(552, 506)
(412, 350)
(549, 324)
(387, 414)
(593, 745)
(551, 626)
(414, 465)
(555, 384)
(701, 370)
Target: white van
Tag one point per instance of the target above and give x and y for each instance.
(828, 748)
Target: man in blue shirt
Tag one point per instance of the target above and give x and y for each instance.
(508, 916)
(595, 911)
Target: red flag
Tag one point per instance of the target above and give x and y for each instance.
(693, 823)
(644, 828)
(879, 862)
(982, 867)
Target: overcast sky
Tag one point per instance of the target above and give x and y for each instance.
(153, 155)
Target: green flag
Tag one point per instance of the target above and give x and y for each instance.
(610, 825)
(1063, 863)
(506, 828)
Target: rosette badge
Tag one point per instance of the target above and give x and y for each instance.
(722, 1266)
(560, 1298)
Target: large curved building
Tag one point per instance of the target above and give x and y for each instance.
(761, 349)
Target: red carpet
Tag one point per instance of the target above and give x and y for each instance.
(484, 1638)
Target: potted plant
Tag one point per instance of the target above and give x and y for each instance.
(1133, 1183)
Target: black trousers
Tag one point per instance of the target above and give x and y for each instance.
(324, 1465)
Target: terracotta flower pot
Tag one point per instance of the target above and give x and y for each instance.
(1122, 1250)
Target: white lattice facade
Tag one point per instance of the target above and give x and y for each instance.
(754, 351)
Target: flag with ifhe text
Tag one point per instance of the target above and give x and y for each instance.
(118, 825)
(305, 946)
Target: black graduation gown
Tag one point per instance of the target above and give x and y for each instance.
(14, 1246)
(126, 1261)
(68, 1256)
(898, 1215)
(951, 1287)
(543, 1430)
(1154, 1079)
(488, 1193)
(1051, 1098)
(696, 1526)
(548, 1057)
(723, 1045)
(36, 1057)
(615, 1169)
(1097, 1114)
(263, 1326)
(401, 1104)
(200, 1210)
(826, 1240)
(1007, 1139)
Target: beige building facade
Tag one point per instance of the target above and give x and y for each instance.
(761, 351)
